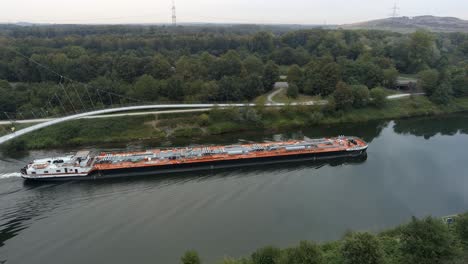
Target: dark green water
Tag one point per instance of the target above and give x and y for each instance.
(414, 167)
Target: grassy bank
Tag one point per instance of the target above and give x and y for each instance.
(159, 129)
(428, 240)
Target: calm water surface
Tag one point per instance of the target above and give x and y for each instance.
(414, 167)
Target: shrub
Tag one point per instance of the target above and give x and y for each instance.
(234, 261)
(391, 249)
(293, 91)
(441, 94)
(378, 97)
(332, 252)
(187, 132)
(343, 96)
(230, 114)
(203, 119)
(427, 241)
(250, 114)
(305, 253)
(428, 81)
(362, 248)
(461, 228)
(315, 117)
(190, 257)
(360, 95)
(266, 255)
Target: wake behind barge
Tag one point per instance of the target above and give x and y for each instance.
(85, 166)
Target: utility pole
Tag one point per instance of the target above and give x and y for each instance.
(395, 11)
(174, 18)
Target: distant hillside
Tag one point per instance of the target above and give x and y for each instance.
(409, 24)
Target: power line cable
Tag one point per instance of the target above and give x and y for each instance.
(62, 77)
(66, 94)
(79, 97)
(64, 111)
(99, 95)
(89, 96)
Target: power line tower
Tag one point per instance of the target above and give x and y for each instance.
(174, 18)
(395, 9)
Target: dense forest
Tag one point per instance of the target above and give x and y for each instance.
(217, 64)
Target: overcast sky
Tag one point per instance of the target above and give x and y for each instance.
(240, 11)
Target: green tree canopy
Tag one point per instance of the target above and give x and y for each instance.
(378, 97)
(428, 80)
(390, 77)
(343, 96)
(190, 257)
(253, 65)
(266, 255)
(228, 64)
(7, 98)
(461, 228)
(293, 91)
(230, 88)
(262, 42)
(328, 77)
(175, 89)
(420, 50)
(252, 87)
(159, 67)
(361, 95)
(427, 241)
(362, 248)
(442, 93)
(270, 75)
(295, 74)
(459, 83)
(305, 253)
(147, 88)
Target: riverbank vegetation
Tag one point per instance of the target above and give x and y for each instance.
(421, 241)
(187, 128)
(110, 64)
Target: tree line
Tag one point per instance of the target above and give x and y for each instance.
(203, 64)
(421, 241)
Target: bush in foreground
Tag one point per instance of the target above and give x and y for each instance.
(190, 257)
(378, 97)
(362, 248)
(461, 228)
(427, 241)
(266, 255)
(305, 253)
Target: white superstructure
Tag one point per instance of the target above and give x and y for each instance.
(79, 164)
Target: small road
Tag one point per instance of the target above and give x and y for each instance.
(273, 94)
(30, 121)
(399, 96)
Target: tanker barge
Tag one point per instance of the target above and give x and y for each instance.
(85, 166)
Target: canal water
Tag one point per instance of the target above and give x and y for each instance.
(415, 167)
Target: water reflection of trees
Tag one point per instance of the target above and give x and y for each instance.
(367, 131)
(428, 127)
